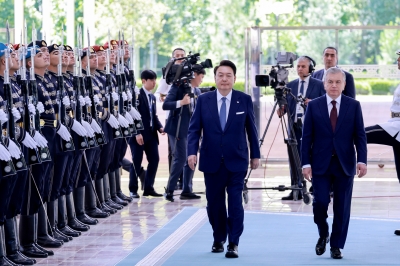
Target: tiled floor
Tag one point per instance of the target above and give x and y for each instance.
(376, 195)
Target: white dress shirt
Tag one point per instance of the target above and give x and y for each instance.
(299, 108)
(148, 103)
(227, 102)
(330, 105)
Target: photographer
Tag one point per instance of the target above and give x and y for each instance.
(307, 88)
(181, 106)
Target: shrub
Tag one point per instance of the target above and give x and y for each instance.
(382, 86)
(362, 88)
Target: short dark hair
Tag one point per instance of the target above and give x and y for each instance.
(177, 49)
(227, 63)
(148, 74)
(330, 47)
(199, 69)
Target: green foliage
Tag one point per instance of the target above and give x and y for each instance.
(382, 86)
(363, 87)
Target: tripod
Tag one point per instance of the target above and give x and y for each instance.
(299, 184)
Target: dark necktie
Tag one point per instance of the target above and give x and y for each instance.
(222, 113)
(299, 115)
(151, 112)
(333, 115)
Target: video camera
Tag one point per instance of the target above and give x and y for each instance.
(278, 76)
(182, 73)
(206, 89)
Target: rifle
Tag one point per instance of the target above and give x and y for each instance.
(126, 131)
(82, 140)
(62, 113)
(132, 83)
(93, 109)
(111, 108)
(32, 154)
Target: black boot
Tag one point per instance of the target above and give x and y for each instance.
(3, 255)
(12, 244)
(52, 213)
(72, 221)
(44, 239)
(91, 199)
(100, 193)
(48, 251)
(107, 194)
(63, 219)
(27, 237)
(79, 200)
(113, 189)
(118, 187)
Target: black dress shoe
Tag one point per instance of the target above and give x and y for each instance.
(119, 201)
(321, 245)
(124, 197)
(97, 213)
(85, 219)
(77, 225)
(336, 254)
(290, 196)
(48, 251)
(218, 247)
(152, 193)
(397, 232)
(232, 251)
(33, 251)
(18, 258)
(169, 196)
(134, 195)
(189, 196)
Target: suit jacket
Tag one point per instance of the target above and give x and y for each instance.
(315, 89)
(230, 143)
(349, 89)
(319, 140)
(143, 108)
(176, 94)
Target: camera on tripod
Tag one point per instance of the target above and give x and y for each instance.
(179, 74)
(278, 76)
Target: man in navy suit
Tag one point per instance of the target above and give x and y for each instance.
(307, 87)
(224, 118)
(146, 140)
(333, 125)
(181, 105)
(330, 56)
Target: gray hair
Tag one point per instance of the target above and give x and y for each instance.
(303, 58)
(335, 70)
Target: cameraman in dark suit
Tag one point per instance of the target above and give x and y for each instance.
(308, 88)
(331, 59)
(181, 107)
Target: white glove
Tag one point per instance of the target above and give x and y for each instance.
(122, 121)
(96, 99)
(78, 128)
(16, 113)
(3, 117)
(115, 96)
(40, 107)
(4, 153)
(64, 133)
(88, 101)
(95, 126)
(124, 96)
(135, 114)
(82, 100)
(129, 94)
(66, 101)
(137, 90)
(88, 128)
(29, 142)
(113, 121)
(129, 118)
(13, 149)
(31, 109)
(40, 140)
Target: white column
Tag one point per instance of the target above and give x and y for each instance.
(18, 20)
(70, 23)
(88, 21)
(47, 21)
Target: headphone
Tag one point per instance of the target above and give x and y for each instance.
(311, 68)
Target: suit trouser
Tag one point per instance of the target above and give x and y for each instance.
(6, 185)
(342, 188)
(17, 194)
(150, 147)
(377, 135)
(178, 161)
(224, 224)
